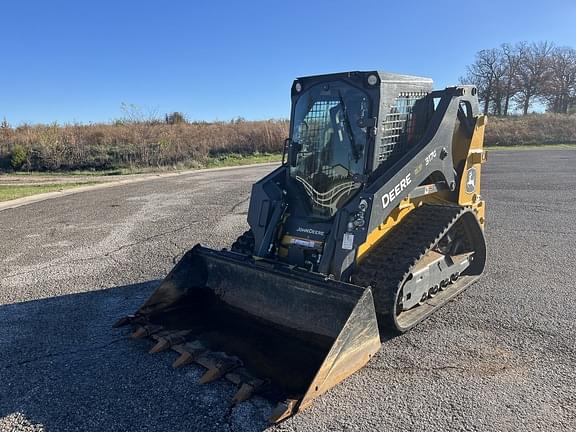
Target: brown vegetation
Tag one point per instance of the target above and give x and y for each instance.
(134, 144)
(155, 144)
(531, 129)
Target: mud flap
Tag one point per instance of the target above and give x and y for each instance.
(296, 331)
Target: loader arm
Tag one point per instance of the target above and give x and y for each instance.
(432, 154)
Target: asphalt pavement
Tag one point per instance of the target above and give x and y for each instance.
(499, 357)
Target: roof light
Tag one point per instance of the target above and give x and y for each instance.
(372, 79)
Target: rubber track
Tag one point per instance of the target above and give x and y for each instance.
(388, 264)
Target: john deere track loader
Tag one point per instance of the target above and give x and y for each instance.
(373, 221)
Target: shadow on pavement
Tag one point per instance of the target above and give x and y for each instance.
(64, 367)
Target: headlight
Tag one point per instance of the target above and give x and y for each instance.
(298, 87)
(372, 79)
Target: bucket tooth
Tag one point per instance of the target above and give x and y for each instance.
(143, 331)
(124, 321)
(162, 344)
(218, 364)
(165, 340)
(283, 410)
(210, 375)
(184, 359)
(244, 393)
(189, 352)
(139, 333)
(247, 384)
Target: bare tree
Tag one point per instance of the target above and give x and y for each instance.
(484, 73)
(510, 60)
(560, 87)
(524, 73)
(499, 75)
(532, 72)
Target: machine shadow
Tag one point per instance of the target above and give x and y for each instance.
(63, 366)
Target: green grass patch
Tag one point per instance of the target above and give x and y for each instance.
(84, 173)
(10, 192)
(533, 147)
(237, 160)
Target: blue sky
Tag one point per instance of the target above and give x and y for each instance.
(77, 61)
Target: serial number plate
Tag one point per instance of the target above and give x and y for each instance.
(348, 241)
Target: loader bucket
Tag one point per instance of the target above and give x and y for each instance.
(287, 334)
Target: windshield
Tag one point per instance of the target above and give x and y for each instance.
(331, 144)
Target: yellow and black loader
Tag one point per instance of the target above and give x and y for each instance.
(373, 221)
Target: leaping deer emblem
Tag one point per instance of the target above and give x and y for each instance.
(471, 181)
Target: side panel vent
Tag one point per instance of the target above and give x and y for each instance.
(397, 127)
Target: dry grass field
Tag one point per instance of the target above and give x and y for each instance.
(135, 145)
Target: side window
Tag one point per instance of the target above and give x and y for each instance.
(398, 127)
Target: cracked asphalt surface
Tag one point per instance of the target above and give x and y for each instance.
(499, 357)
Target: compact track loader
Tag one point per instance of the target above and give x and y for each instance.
(373, 221)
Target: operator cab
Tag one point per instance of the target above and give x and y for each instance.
(343, 126)
(328, 140)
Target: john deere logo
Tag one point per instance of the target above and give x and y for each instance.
(471, 180)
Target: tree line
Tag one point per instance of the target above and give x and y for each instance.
(514, 77)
